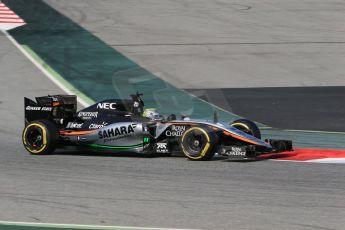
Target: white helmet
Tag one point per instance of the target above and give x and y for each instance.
(152, 114)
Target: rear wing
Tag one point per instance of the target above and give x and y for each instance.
(57, 108)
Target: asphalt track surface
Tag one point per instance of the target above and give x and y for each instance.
(223, 43)
(303, 108)
(158, 192)
(87, 188)
(276, 61)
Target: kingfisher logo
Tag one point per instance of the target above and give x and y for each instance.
(73, 125)
(116, 132)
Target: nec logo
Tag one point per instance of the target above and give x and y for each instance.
(106, 105)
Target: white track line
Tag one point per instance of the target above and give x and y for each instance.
(98, 227)
(85, 104)
(43, 70)
(81, 101)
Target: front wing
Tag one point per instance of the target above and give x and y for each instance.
(248, 152)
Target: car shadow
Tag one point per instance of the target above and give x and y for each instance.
(95, 153)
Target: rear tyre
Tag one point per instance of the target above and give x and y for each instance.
(198, 143)
(40, 137)
(247, 126)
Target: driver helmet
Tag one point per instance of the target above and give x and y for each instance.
(152, 114)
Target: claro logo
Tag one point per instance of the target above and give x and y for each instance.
(97, 126)
(106, 105)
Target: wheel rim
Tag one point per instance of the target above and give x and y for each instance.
(34, 138)
(244, 128)
(195, 143)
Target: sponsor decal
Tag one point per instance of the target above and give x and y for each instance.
(106, 105)
(37, 108)
(237, 151)
(162, 148)
(175, 131)
(73, 125)
(98, 126)
(146, 146)
(88, 115)
(116, 133)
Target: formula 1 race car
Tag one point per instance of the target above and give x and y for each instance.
(124, 125)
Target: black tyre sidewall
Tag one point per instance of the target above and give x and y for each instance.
(51, 136)
(247, 123)
(212, 143)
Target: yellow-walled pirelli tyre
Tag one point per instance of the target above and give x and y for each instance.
(40, 137)
(199, 143)
(247, 126)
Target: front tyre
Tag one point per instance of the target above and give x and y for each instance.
(247, 126)
(40, 137)
(198, 143)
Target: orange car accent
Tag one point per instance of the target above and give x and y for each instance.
(240, 138)
(56, 104)
(75, 133)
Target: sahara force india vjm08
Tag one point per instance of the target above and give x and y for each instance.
(124, 125)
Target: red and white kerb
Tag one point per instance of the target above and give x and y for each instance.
(8, 19)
